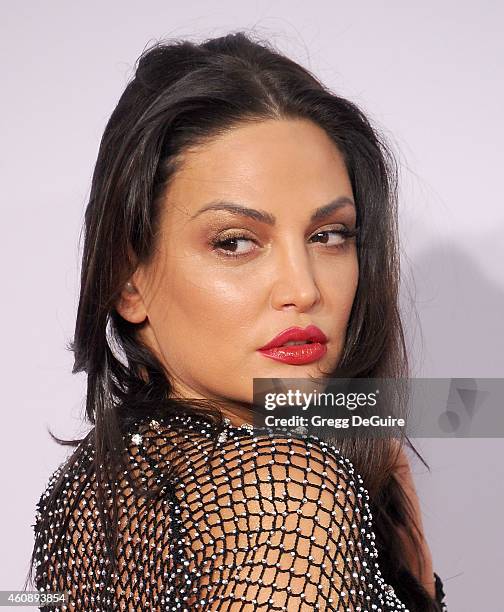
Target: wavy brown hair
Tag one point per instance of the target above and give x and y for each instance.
(184, 94)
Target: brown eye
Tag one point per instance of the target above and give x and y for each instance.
(233, 246)
(335, 238)
(325, 237)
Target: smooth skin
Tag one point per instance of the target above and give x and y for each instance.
(207, 312)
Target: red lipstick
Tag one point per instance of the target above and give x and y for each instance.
(312, 345)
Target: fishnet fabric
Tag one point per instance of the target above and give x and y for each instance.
(262, 521)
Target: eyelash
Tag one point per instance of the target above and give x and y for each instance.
(217, 243)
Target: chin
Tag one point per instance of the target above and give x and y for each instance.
(295, 371)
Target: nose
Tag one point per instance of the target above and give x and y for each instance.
(295, 285)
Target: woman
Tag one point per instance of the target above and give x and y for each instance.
(234, 197)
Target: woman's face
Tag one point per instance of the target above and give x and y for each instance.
(223, 283)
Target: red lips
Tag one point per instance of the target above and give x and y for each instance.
(313, 348)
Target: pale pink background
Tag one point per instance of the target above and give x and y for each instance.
(429, 73)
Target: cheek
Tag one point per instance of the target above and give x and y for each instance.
(339, 282)
(216, 307)
(206, 305)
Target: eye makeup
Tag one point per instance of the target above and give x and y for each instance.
(220, 244)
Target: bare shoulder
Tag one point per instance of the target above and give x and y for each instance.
(272, 473)
(290, 458)
(290, 509)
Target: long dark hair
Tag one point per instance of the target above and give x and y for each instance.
(184, 94)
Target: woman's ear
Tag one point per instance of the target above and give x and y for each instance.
(130, 304)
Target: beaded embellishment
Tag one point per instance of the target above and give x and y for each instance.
(261, 520)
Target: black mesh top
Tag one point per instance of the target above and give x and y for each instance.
(264, 522)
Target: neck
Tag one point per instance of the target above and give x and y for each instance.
(239, 413)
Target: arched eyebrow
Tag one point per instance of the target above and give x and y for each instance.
(318, 214)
